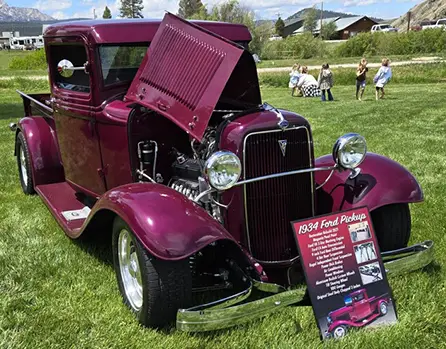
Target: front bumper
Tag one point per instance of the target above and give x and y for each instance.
(222, 314)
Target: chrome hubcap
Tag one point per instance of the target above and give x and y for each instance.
(339, 332)
(383, 308)
(23, 166)
(130, 270)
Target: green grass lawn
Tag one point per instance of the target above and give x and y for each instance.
(276, 63)
(56, 293)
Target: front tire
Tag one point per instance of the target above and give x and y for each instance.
(383, 308)
(153, 289)
(392, 226)
(339, 331)
(24, 165)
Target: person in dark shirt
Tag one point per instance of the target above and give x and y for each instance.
(361, 73)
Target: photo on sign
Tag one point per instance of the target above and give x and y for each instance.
(359, 231)
(359, 308)
(365, 252)
(370, 273)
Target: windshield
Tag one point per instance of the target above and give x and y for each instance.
(119, 63)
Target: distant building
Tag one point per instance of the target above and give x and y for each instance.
(345, 27)
(291, 25)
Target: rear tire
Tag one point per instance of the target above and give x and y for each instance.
(392, 226)
(24, 165)
(383, 308)
(339, 331)
(153, 289)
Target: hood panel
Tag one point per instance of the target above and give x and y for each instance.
(184, 73)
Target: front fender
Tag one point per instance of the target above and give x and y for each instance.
(168, 224)
(381, 182)
(40, 136)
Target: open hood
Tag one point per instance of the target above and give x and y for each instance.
(185, 72)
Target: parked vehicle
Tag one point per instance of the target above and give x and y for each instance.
(441, 23)
(385, 28)
(171, 153)
(359, 310)
(26, 42)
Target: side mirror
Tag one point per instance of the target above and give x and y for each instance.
(66, 68)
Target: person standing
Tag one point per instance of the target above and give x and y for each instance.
(325, 82)
(361, 73)
(294, 78)
(382, 78)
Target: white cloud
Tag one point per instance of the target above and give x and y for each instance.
(59, 15)
(45, 5)
(350, 3)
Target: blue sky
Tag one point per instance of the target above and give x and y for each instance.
(264, 9)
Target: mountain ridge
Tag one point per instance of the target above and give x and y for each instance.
(426, 10)
(27, 14)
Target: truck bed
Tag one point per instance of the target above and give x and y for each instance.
(37, 104)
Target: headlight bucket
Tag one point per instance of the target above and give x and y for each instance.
(222, 169)
(350, 150)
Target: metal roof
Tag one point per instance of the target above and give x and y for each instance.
(318, 25)
(343, 23)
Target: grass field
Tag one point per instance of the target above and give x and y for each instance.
(276, 63)
(56, 293)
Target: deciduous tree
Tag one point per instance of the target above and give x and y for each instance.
(310, 20)
(328, 30)
(131, 9)
(191, 9)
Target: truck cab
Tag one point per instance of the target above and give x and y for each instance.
(155, 134)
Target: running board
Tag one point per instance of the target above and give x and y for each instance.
(61, 200)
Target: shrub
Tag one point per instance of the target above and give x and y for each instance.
(300, 47)
(413, 42)
(33, 61)
(408, 74)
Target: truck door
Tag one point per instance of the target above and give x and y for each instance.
(73, 113)
(361, 306)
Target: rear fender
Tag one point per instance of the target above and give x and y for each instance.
(40, 135)
(168, 224)
(381, 182)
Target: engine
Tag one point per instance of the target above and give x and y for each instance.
(187, 174)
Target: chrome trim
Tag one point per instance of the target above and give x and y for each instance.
(12, 126)
(283, 174)
(283, 123)
(247, 181)
(143, 174)
(203, 194)
(328, 178)
(340, 143)
(35, 101)
(221, 314)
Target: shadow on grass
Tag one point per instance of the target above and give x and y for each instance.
(11, 110)
(98, 246)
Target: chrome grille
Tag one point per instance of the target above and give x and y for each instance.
(271, 205)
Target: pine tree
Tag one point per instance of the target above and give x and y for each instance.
(191, 8)
(131, 9)
(107, 13)
(280, 26)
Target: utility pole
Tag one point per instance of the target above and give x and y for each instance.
(322, 11)
(408, 20)
(94, 13)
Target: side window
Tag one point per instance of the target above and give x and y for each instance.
(76, 54)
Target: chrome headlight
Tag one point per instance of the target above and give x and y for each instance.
(349, 150)
(223, 170)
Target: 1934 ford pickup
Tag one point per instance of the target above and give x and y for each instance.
(155, 135)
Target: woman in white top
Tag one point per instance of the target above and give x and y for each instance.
(308, 84)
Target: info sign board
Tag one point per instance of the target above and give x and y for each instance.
(345, 275)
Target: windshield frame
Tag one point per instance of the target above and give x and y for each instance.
(100, 75)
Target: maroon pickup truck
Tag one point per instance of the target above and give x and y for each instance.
(359, 311)
(155, 136)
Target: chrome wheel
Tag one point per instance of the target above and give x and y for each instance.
(339, 332)
(383, 308)
(130, 269)
(23, 169)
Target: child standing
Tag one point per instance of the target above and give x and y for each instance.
(294, 78)
(361, 73)
(325, 82)
(382, 77)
